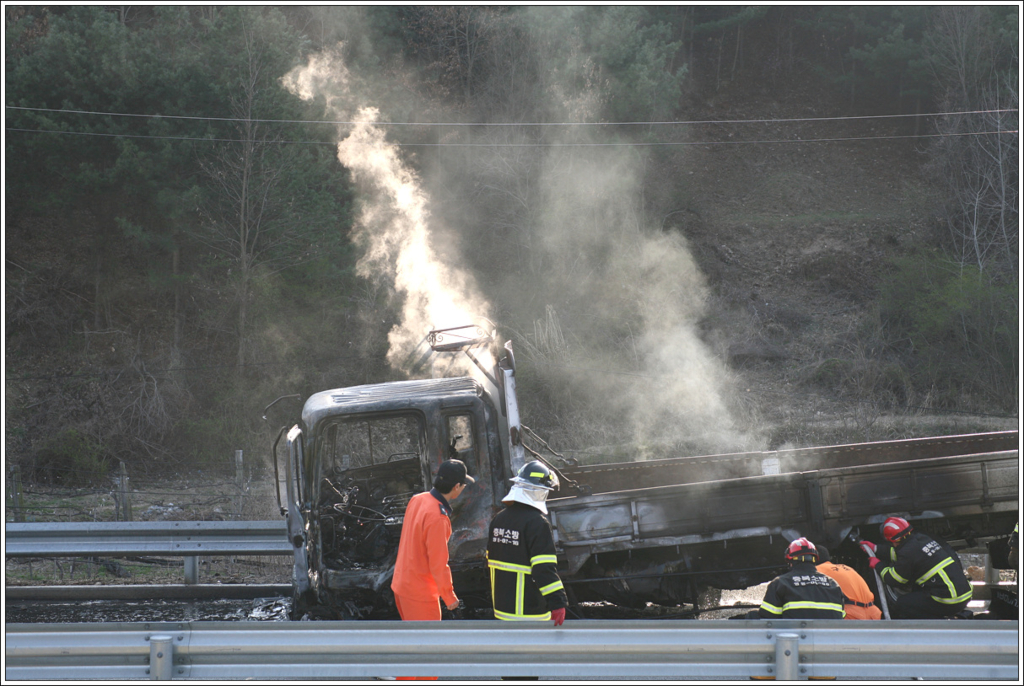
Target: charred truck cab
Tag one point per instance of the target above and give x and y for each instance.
(357, 458)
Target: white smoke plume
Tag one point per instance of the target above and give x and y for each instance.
(394, 223)
(561, 231)
(638, 296)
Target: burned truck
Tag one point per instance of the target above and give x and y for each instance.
(660, 531)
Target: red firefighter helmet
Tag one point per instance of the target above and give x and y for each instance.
(801, 550)
(895, 529)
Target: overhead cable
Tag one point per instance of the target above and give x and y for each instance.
(639, 144)
(613, 123)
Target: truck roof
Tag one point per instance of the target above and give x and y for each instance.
(393, 395)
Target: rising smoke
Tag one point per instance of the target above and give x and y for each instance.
(394, 221)
(604, 305)
(638, 295)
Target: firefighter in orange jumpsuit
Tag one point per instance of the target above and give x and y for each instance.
(422, 574)
(858, 600)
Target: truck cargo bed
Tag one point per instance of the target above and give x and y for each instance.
(945, 478)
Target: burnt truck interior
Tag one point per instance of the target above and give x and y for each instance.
(369, 469)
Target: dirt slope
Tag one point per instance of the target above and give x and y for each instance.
(794, 237)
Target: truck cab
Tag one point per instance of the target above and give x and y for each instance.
(360, 455)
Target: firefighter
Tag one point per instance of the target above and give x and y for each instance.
(802, 592)
(422, 574)
(858, 600)
(521, 551)
(928, 570)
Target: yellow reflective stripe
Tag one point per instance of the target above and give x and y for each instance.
(949, 582)
(953, 601)
(551, 588)
(768, 607)
(953, 597)
(520, 592)
(508, 616)
(543, 559)
(493, 570)
(509, 567)
(811, 605)
(935, 570)
(892, 572)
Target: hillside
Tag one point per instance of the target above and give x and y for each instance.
(795, 239)
(695, 235)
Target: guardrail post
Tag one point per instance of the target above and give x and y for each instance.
(191, 569)
(787, 657)
(161, 658)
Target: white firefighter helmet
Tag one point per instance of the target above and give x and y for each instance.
(532, 485)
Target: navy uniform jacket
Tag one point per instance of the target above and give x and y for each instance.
(803, 593)
(922, 562)
(521, 557)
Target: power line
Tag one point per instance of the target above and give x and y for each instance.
(640, 144)
(499, 124)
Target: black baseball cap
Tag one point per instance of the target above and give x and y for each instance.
(454, 472)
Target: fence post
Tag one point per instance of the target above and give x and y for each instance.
(239, 484)
(15, 494)
(122, 488)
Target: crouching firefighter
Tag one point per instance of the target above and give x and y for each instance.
(928, 570)
(521, 551)
(802, 592)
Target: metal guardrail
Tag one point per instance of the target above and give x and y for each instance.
(125, 539)
(641, 649)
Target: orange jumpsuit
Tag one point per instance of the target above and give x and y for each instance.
(858, 600)
(422, 574)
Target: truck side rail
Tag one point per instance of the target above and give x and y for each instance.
(814, 503)
(603, 478)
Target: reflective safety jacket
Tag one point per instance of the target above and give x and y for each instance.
(802, 593)
(521, 558)
(858, 599)
(923, 562)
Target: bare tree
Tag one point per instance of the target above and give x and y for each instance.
(244, 222)
(454, 39)
(977, 154)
